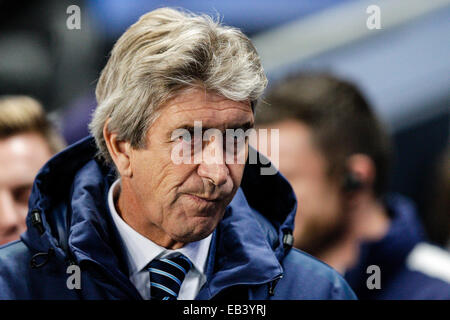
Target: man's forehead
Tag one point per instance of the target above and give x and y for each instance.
(200, 104)
(21, 156)
(211, 109)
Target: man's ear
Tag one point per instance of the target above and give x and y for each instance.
(362, 168)
(119, 150)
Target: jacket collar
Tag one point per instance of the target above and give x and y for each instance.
(390, 252)
(241, 253)
(403, 234)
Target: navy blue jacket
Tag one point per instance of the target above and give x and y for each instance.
(69, 223)
(400, 278)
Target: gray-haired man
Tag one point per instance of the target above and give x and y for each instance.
(140, 226)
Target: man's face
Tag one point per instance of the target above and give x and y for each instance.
(319, 216)
(187, 201)
(21, 157)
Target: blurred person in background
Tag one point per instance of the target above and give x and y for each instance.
(27, 141)
(438, 208)
(336, 155)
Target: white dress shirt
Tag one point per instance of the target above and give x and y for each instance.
(141, 251)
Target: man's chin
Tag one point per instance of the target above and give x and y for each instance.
(316, 241)
(199, 228)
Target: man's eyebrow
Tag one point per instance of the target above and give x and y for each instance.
(187, 127)
(245, 126)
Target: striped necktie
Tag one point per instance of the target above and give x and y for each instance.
(166, 276)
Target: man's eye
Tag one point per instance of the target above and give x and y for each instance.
(22, 194)
(190, 138)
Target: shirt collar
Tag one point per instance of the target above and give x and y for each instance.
(140, 250)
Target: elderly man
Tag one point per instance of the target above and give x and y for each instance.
(131, 222)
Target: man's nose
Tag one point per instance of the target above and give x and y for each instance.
(213, 166)
(216, 173)
(10, 219)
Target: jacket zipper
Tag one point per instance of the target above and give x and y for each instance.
(272, 284)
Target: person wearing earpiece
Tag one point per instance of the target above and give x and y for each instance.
(335, 153)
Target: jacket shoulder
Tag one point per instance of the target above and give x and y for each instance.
(13, 248)
(425, 275)
(305, 277)
(14, 267)
(12, 255)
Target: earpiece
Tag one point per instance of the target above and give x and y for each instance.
(352, 182)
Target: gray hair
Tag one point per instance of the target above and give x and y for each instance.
(166, 51)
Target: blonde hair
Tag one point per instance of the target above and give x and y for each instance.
(20, 114)
(165, 51)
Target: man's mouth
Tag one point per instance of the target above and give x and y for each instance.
(203, 200)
